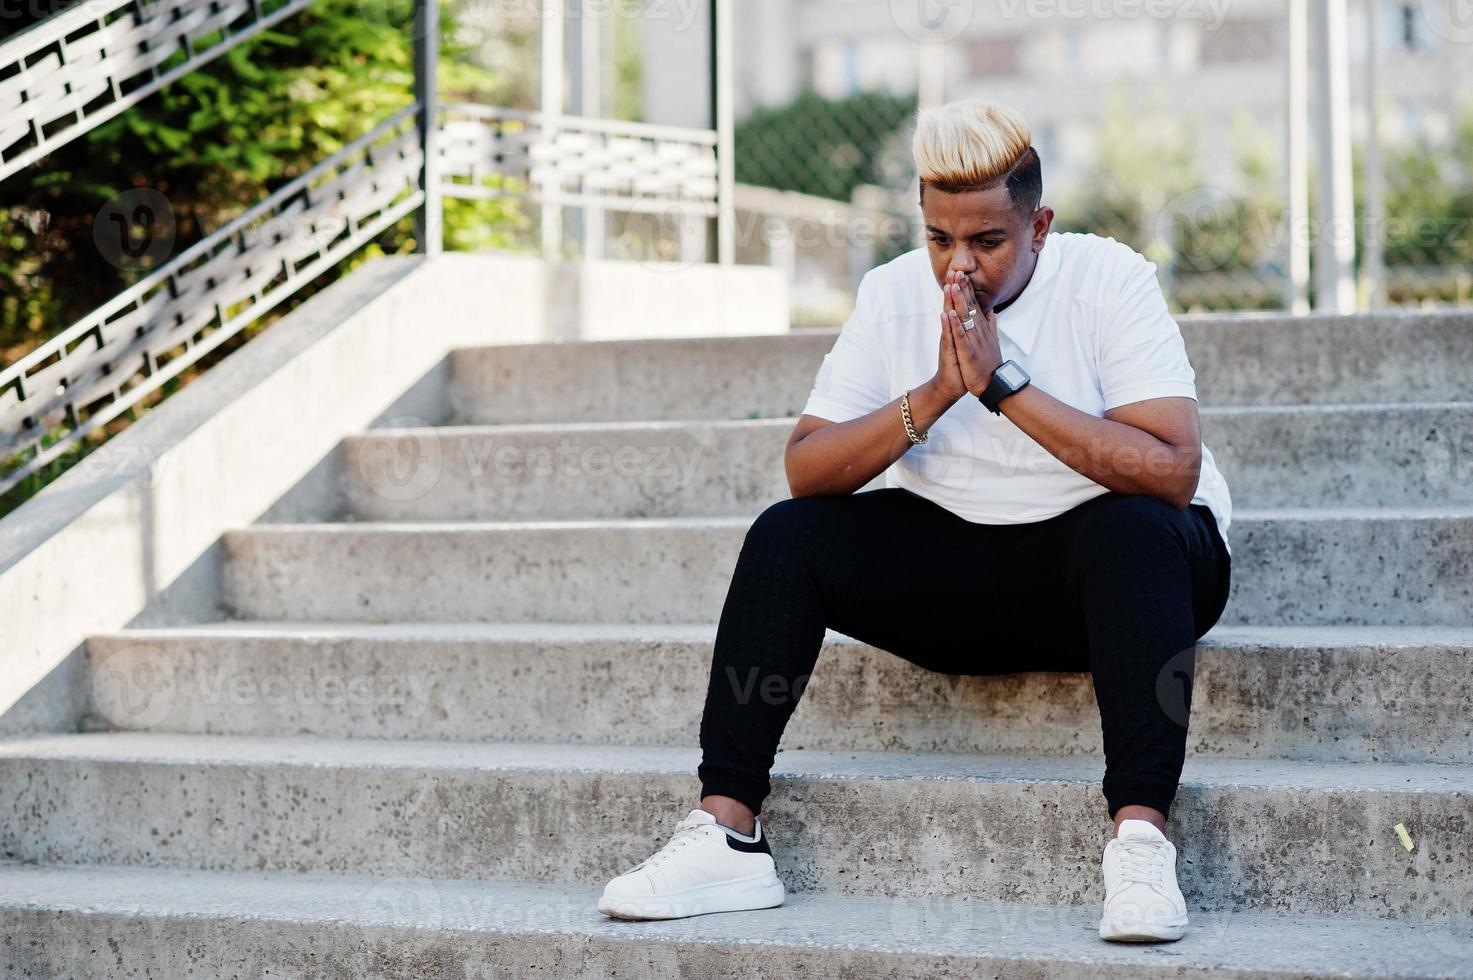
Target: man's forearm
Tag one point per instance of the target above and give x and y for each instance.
(844, 456)
(1121, 457)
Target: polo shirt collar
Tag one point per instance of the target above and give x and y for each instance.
(1023, 317)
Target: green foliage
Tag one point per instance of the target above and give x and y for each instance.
(1427, 239)
(215, 142)
(826, 147)
(628, 94)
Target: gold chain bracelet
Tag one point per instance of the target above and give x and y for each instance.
(910, 430)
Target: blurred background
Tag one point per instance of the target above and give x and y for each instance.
(1267, 154)
(1167, 125)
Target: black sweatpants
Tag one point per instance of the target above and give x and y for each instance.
(1122, 585)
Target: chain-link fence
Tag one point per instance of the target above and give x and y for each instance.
(1194, 179)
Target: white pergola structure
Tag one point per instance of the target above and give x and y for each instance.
(1332, 233)
(585, 99)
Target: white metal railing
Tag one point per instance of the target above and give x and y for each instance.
(110, 359)
(575, 161)
(82, 66)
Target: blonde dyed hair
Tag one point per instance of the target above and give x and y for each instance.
(970, 144)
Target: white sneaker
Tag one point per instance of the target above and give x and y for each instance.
(1142, 900)
(703, 868)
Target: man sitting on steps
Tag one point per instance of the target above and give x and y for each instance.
(1067, 518)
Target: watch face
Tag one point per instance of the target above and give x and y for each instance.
(1011, 374)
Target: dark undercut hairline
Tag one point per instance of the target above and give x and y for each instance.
(1024, 181)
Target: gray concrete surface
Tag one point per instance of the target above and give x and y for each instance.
(1409, 356)
(1395, 693)
(1381, 455)
(400, 745)
(1269, 835)
(1299, 567)
(121, 923)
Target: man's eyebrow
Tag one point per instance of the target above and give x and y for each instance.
(976, 234)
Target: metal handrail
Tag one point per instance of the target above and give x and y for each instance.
(362, 187)
(112, 50)
(95, 59)
(575, 160)
(617, 127)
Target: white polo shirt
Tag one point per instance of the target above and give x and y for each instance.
(1091, 328)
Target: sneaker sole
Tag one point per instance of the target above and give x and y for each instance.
(1138, 932)
(724, 896)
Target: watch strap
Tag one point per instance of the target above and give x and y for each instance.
(997, 389)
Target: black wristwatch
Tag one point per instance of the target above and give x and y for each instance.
(1008, 378)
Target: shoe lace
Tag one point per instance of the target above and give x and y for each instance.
(686, 831)
(1141, 860)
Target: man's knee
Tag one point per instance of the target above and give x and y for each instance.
(1124, 524)
(790, 521)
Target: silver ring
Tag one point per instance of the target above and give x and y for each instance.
(968, 323)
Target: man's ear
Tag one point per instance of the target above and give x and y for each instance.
(1043, 218)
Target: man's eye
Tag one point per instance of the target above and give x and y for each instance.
(939, 240)
(991, 244)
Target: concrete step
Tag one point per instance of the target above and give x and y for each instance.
(1351, 455)
(1395, 693)
(1313, 838)
(1291, 567)
(579, 470)
(1239, 360)
(1385, 455)
(118, 922)
(637, 380)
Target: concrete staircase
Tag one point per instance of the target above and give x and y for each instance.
(432, 729)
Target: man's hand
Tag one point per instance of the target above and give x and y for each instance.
(978, 351)
(948, 378)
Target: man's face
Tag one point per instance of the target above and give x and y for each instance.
(981, 234)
